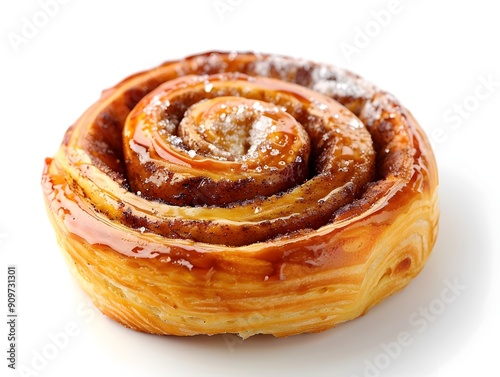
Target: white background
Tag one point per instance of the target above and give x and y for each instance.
(436, 57)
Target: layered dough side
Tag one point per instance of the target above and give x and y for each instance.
(291, 286)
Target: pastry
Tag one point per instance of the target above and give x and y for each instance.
(243, 193)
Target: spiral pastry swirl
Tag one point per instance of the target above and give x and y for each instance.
(243, 193)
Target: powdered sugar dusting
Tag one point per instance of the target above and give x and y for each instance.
(335, 88)
(258, 133)
(156, 105)
(211, 63)
(158, 178)
(329, 80)
(337, 83)
(141, 151)
(326, 79)
(378, 103)
(185, 263)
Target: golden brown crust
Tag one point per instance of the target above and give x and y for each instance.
(202, 246)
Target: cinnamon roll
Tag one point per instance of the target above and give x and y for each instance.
(243, 193)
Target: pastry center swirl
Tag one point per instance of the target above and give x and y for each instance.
(232, 140)
(198, 137)
(233, 157)
(258, 134)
